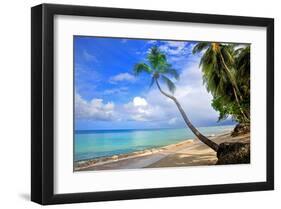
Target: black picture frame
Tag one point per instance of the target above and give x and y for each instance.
(42, 103)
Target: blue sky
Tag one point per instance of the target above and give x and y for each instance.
(109, 96)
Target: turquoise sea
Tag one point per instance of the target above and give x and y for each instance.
(89, 144)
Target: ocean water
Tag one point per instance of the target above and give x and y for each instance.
(90, 144)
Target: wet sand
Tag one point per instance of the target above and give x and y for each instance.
(190, 152)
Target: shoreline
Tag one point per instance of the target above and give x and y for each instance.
(84, 164)
(160, 157)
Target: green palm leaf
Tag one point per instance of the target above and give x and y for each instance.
(169, 83)
(167, 69)
(200, 47)
(158, 66)
(142, 67)
(223, 69)
(152, 82)
(156, 58)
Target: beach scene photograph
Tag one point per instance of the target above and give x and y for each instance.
(151, 103)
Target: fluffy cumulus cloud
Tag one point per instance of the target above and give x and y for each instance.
(139, 102)
(139, 110)
(94, 109)
(122, 77)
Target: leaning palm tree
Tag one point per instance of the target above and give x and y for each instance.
(159, 69)
(217, 65)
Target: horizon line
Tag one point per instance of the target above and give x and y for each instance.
(149, 128)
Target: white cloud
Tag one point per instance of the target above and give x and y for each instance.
(177, 50)
(121, 90)
(193, 95)
(174, 47)
(122, 77)
(89, 57)
(140, 110)
(138, 101)
(95, 109)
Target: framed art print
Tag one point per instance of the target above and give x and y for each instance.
(131, 104)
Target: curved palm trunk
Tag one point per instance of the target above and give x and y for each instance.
(200, 136)
(235, 90)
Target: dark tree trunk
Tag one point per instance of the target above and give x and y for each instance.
(200, 136)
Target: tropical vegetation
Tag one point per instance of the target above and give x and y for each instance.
(226, 75)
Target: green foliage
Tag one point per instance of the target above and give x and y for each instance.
(167, 69)
(227, 109)
(140, 68)
(243, 70)
(156, 64)
(170, 84)
(156, 58)
(226, 75)
(200, 47)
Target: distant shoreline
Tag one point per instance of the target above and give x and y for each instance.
(150, 157)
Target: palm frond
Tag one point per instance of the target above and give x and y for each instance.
(169, 83)
(167, 69)
(151, 82)
(142, 68)
(173, 72)
(200, 47)
(242, 63)
(156, 58)
(228, 54)
(243, 59)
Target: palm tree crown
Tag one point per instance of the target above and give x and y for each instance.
(220, 74)
(158, 66)
(216, 64)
